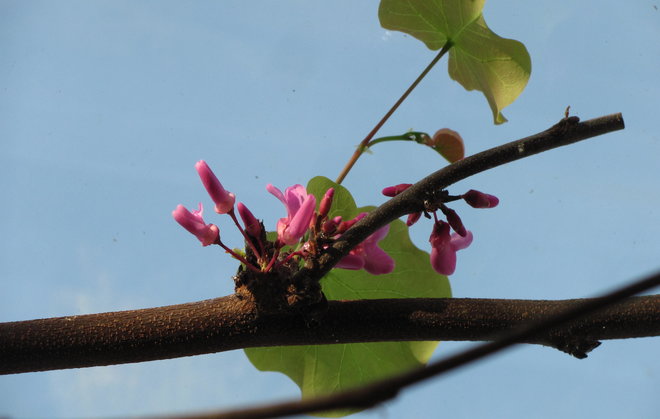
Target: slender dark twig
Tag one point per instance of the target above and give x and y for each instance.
(381, 391)
(567, 131)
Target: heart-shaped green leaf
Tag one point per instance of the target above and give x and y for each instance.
(325, 369)
(478, 59)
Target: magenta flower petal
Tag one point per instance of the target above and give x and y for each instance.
(443, 260)
(295, 196)
(377, 261)
(440, 234)
(252, 225)
(459, 243)
(300, 209)
(373, 259)
(445, 246)
(194, 223)
(443, 257)
(330, 226)
(292, 198)
(413, 218)
(326, 202)
(276, 192)
(441, 252)
(352, 262)
(224, 200)
(377, 236)
(454, 221)
(299, 224)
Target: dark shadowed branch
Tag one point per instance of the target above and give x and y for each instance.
(567, 131)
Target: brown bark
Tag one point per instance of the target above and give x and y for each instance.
(229, 323)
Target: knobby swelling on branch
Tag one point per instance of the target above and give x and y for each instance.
(87, 341)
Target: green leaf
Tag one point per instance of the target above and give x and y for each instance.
(478, 59)
(325, 369)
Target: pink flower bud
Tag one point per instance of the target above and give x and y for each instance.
(326, 203)
(413, 218)
(330, 226)
(224, 200)
(252, 225)
(478, 199)
(396, 189)
(194, 223)
(345, 225)
(454, 221)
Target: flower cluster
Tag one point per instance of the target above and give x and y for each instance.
(302, 234)
(443, 244)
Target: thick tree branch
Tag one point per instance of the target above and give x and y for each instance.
(380, 391)
(229, 323)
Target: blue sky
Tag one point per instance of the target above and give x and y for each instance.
(105, 106)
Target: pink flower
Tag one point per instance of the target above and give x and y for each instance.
(252, 225)
(345, 225)
(326, 203)
(478, 199)
(413, 218)
(396, 189)
(300, 209)
(331, 226)
(224, 200)
(194, 223)
(368, 255)
(454, 221)
(444, 247)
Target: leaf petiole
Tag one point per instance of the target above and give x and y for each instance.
(418, 137)
(364, 143)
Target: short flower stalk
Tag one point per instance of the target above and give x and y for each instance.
(307, 232)
(302, 236)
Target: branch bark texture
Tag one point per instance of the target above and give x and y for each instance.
(229, 323)
(380, 391)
